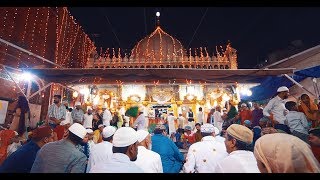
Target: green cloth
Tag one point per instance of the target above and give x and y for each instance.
(232, 112)
(132, 111)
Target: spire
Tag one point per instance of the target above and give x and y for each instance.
(158, 19)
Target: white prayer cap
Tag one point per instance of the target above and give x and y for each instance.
(78, 130)
(243, 105)
(89, 131)
(78, 103)
(108, 131)
(207, 128)
(124, 136)
(104, 106)
(100, 125)
(216, 131)
(282, 89)
(142, 134)
(89, 108)
(16, 133)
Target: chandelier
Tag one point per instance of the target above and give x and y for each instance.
(190, 97)
(162, 96)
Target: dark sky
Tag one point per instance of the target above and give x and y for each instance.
(253, 31)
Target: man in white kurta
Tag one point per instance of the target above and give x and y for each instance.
(147, 160)
(217, 116)
(203, 156)
(200, 116)
(181, 121)
(87, 119)
(101, 151)
(240, 158)
(107, 116)
(172, 128)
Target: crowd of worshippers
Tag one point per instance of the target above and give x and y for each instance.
(282, 137)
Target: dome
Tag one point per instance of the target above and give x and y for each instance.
(159, 46)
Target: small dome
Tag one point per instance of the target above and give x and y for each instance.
(158, 46)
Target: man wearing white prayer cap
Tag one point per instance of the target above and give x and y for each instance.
(77, 113)
(101, 152)
(62, 156)
(203, 156)
(148, 161)
(276, 110)
(125, 150)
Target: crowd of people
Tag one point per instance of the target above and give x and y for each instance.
(282, 137)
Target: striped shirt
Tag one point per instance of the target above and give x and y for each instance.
(59, 157)
(77, 115)
(57, 112)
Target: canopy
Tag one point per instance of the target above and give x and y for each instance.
(132, 75)
(309, 72)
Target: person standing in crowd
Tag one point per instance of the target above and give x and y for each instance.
(210, 117)
(247, 123)
(22, 160)
(68, 119)
(125, 150)
(120, 120)
(284, 153)
(297, 122)
(56, 112)
(203, 156)
(257, 114)
(87, 119)
(314, 140)
(217, 116)
(101, 152)
(96, 120)
(189, 136)
(309, 108)
(147, 160)
(62, 156)
(171, 157)
(276, 110)
(197, 134)
(232, 116)
(106, 116)
(91, 143)
(77, 113)
(171, 119)
(238, 144)
(181, 121)
(140, 122)
(21, 116)
(245, 113)
(191, 118)
(200, 116)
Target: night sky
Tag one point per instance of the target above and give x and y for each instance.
(254, 32)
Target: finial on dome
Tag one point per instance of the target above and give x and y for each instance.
(158, 18)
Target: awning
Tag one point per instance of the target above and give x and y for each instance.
(309, 72)
(113, 76)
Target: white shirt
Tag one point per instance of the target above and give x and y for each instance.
(100, 153)
(220, 138)
(238, 162)
(277, 107)
(172, 127)
(200, 117)
(87, 120)
(297, 121)
(217, 116)
(13, 147)
(148, 161)
(140, 122)
(106, 118)
(203, 156)
(181, 121)
(118, 163)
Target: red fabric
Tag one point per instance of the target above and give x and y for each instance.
(245, 115)
(191, 138)
(316, 152)
(5, 137)
(60, 131)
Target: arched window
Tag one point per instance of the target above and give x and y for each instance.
(186, 66)
(198, 66)
(180, 66)
(161, 66)
(221, 67)
(192, 66)
(227, 67)
(155, 66)
(142, 66)
(130, 67)
(136, 67)
(148, 66)
(215, 67)
(209, 67)
(168, 66)
(204, 67)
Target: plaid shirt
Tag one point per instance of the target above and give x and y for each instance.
(57, 112)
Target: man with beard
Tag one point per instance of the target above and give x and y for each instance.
(77, 113)
(276, 110)
(56, 112)
(125, 150)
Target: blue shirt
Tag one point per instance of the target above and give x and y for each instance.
(21, 160)
(171, 157)
(59, 157)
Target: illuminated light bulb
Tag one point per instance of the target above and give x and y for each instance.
(249, 93)
(75, 94)
(158, 14)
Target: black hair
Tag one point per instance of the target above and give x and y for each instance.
(240, 144)
(290, 104)
(200, 108)
(108, 138)
(315, 132)
(158, 131)
(203, 134)
(74, 138)
(70, 109)
(122, 150)
(197, 124)
(304, 95)
(57, 96)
